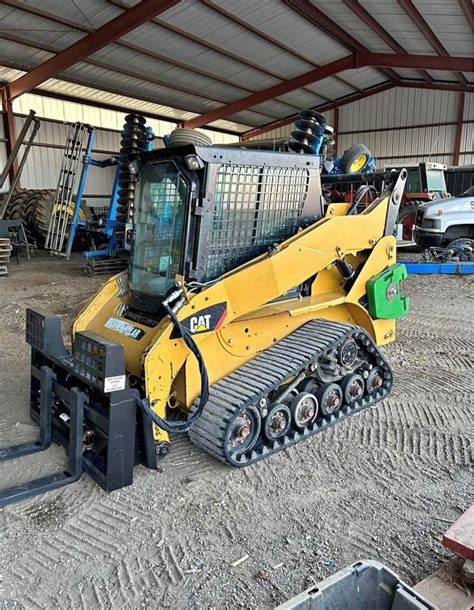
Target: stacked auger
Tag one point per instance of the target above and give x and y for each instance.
(134, 141)
(312, 135)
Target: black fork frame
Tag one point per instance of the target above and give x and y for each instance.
(98, 429)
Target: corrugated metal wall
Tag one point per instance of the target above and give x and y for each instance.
(467, 138)
(389, 123)
(44, 160)
(107, 119)
(395, 125)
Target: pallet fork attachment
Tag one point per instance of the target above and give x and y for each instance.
(76, 397)
(57, 479)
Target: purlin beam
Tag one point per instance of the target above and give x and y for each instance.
(466, 7)
(113, 29)
(427, 62)
(324, 23)
(458, 135)
(365, 16)
(437, 86)
(420, 22)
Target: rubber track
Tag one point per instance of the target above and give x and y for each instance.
(265, 373)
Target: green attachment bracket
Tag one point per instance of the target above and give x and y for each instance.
(383, 293)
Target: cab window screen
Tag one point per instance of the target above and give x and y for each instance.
(254, 208)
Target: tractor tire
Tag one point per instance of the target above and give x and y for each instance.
(355, 159)
(407, 218)
(183, 137)
(15, 208)
(37, 210)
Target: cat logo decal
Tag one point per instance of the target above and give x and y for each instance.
(211, 318)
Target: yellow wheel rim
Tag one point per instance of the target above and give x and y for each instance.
(359, 163)
(70, 207)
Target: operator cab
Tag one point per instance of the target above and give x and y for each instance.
(201, 211)
(425, 180)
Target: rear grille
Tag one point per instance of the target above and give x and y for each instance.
(97, 360)
(35, 329)
(254, 208)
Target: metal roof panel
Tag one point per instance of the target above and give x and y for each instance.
(218, 29)
(290, 28)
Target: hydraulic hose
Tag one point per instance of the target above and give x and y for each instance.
(364, 189)
(182, 426)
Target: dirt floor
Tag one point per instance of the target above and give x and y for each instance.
(384, 484)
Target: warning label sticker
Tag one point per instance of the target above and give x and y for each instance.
(114, 384)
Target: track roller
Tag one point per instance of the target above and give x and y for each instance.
(304, 409)
(278, 421)
(243, 431)
(352, 387)
(329, 398)
(374, 380)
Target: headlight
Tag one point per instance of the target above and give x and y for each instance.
(429, 223)
(194, 162)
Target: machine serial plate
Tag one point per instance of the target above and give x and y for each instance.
(124, 328)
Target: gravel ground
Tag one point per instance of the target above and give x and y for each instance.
(382, 485)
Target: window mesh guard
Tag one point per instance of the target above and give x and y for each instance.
(254, 208)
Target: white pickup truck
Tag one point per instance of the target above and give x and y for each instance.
(441, 221)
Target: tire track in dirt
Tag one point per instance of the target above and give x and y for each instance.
(426, 340)
(185, 459)
(421, 381)
(429, 411)
(438, 323)
(425, 444)
(369, 486)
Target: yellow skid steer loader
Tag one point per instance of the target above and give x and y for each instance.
(249, 318)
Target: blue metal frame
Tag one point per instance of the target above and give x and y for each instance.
(115, 246)
(80, 191)
(426, 268)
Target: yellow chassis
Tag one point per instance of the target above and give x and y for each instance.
(253, 322)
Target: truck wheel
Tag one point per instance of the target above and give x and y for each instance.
(407, 218)
(355, 159)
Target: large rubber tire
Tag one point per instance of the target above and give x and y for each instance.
(183, 137)
(16, 205)
(37, 210)
(407, 217)
(351, 155)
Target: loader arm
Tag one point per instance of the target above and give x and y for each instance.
(240, 316)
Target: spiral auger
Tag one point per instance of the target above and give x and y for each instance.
(134, 141)
(312, 135)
